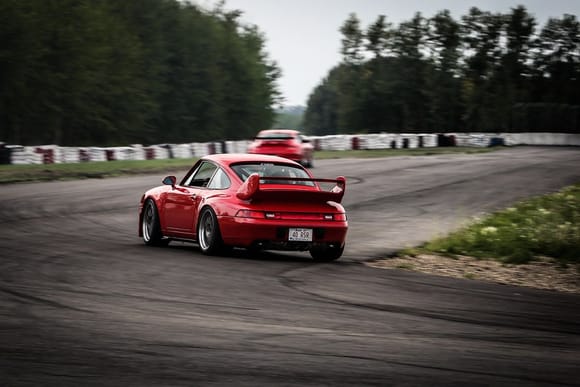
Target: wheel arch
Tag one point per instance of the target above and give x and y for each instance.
(201, 208)
(155, 199)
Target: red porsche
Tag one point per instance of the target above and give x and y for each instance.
(249, 201)
(284, 143)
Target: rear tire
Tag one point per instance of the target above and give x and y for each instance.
(326, 254)
(208, 233)
(150, 226)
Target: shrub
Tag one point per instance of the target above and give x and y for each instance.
(543, 226)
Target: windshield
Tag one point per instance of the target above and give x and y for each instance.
(272, 170)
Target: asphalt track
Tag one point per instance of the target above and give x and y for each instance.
(84, 302)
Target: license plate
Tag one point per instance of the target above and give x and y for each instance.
(300, 234)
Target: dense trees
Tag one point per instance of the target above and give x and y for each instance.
(84, 72)
(485, 72)
(80, 72)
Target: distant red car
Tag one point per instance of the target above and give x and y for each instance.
(249, 201)
(284, 143)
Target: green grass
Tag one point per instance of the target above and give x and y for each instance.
(546, 226)
(375, 153)
(48, 172)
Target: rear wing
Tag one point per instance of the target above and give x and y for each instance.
(253, 190)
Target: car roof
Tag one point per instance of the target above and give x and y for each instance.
(232, 158)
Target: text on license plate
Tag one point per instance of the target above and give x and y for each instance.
(300, 234)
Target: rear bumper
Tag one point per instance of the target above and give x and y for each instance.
(273, 234)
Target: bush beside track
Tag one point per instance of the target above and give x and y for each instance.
(544, 226)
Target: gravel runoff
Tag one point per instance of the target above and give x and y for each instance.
(540, 274)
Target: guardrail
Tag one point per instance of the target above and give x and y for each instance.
(49, 154)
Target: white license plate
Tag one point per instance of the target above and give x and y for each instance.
(300, 234)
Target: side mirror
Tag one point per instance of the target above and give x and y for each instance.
(306, 140)
(170, 180)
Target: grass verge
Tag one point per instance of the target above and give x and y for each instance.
(544, 226)
(49, 172)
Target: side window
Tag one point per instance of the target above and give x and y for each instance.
(219, 181)
(202, 176)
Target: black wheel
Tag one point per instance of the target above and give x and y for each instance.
(150, 225)
(208, 233)
(326, 254)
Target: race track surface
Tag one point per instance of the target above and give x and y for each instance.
(84, 302)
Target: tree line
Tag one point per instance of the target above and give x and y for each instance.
(486, 72)
(108, 72)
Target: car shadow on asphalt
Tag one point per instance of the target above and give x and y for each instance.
(244, 254)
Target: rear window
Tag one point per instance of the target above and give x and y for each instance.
(274, 136)
(272, 170)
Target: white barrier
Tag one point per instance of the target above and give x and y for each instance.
(199, 149)
(473, 139)
(47, 154)
(181, 151)
(336, 142)
(562, 139)
(159, 152)
(69, 155)
(97, 154)
(376, 141)
(25, 155)
(429, 140)
(237, 146)
(139, 152)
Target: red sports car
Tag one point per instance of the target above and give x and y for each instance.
(284, 143)
(249, 201)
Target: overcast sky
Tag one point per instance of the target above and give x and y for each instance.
(302, 35)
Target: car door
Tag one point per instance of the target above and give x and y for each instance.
(182, 202)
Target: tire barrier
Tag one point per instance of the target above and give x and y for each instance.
(317, 145)
(84, 156)
(559, 139)
(236, 146)
(445, 140)
(496, 141)
(48, 154)
(334, 142)
(420, 143)
(5, 153)
(97, 154)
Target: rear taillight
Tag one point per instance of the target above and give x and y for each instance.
(289, 215)
(250, 214)
(335, 217)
